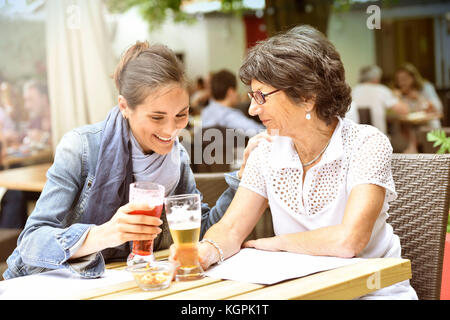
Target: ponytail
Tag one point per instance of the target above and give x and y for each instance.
(132, 53)
(143, 68)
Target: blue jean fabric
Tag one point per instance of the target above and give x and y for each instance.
(54, 227)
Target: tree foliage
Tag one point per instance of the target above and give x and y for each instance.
(155, 12)
(278, 14)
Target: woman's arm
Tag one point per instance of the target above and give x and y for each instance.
(51, 230)
(238, 210)
(187, 185)
(346, 239)
(430, 94)
(237, 223)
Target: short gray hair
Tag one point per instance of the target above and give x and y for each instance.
(303, 63)
(370, 73)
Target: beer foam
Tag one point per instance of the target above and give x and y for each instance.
(183, 218)
(184, 225)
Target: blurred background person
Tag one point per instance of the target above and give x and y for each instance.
(221, 110)
(199, 98)
(417, 92)
(200, 95)
(370, 93)
(223, 113)
(8, 101)
(37, 128)
(420, 96)
(8, 126)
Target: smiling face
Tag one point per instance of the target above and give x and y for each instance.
(156, 122)
(278, 114)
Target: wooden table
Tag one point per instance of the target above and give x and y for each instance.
(415, 118)
(41, 156)
(342, 283)
(29, 178)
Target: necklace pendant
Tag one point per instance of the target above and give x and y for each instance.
(317, 157)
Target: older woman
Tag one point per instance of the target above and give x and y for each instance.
(81, 219)
(327, 180)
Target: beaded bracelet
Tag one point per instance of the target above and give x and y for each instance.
(215, 245)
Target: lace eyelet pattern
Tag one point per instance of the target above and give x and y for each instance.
(365, 159)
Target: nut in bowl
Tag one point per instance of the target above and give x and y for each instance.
(156, 276)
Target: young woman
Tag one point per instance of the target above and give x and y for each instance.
(80, 220)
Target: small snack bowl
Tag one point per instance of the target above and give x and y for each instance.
(156, 276)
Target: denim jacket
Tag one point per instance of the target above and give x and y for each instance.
(54, 228)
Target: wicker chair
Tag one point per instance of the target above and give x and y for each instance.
(211, 185)
(419, 216)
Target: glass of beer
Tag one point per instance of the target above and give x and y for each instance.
(184, 216)
(151, 194)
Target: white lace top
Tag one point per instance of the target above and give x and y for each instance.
(357, 154)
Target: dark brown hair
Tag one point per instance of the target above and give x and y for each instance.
(302, 62)
(220, 83)
(144, 68)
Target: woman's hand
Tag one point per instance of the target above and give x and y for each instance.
(125, 226)
(122, 227)
(267, 244)
(429, 108)
(401, 108)
(252, 144)
(207, 255)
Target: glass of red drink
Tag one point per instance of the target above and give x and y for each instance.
(152, 194)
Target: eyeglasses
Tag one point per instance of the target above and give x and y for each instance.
(260, 97)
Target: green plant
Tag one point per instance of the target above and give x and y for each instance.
(440, 139)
